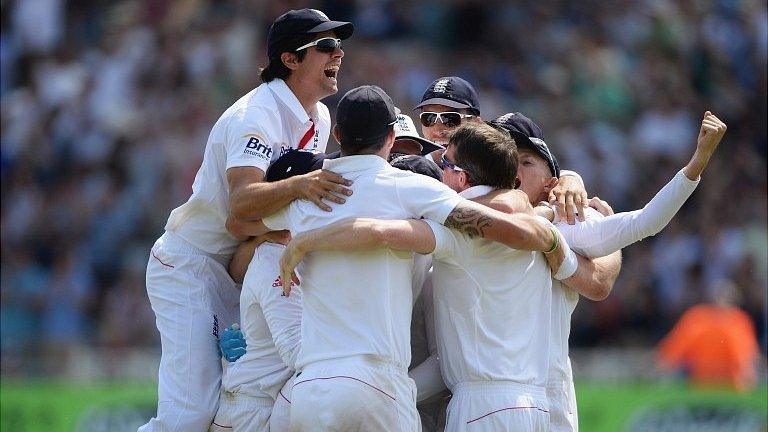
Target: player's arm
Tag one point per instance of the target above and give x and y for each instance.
(251, 198)
(244, 252)
(594, 278)
(710, 134)
(358, 234)
(428, 378)
(506, 201)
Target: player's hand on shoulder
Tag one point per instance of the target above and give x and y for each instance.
(232, 343)
(601, 206)
(322, 185)
(569, 198)
(710, 134)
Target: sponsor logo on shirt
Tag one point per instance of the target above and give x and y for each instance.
(258, 148)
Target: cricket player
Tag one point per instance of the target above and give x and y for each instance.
(187, 281)
(596, 237)
(496, 370)
(450, 102)
(270, 322)
(355, 341)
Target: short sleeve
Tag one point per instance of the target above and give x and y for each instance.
(445, 241)
(251, 138)
(280, 220)
(425, 197)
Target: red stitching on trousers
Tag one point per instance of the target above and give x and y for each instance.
(352, 378)
(504, 409)
(161, 261)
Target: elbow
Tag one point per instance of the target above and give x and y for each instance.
(600, 290)
(237, 209)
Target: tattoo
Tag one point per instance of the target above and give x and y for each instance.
(468, 220)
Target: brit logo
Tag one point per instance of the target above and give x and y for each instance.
(256, 147)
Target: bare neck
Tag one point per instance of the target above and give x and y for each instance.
(306, 98)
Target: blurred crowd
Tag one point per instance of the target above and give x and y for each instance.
(106, 108)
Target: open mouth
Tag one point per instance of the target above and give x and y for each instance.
(331, 71)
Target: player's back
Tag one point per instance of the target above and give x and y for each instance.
(360, 303)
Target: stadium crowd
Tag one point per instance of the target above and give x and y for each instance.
(106, 107)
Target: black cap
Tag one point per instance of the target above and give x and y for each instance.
(452, 92)
(295, 162)
(529, 134)
(419, 165)
(288, 28)
(364, 115)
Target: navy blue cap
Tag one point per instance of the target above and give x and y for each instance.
(452, 92)
(286, 31)
(419, 165)
(364, 115)
(295, 162)
(527, 133)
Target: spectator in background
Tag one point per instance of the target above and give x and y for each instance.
(714, 343)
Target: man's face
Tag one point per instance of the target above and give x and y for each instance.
(452, 178)
(318, 72)
(535, 178)
(439, 133)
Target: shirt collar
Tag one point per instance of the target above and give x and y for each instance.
(286, 96)
(476, 191)
(355, 163)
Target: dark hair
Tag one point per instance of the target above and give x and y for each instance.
(488, 156)
(349, 147)
(276, 68)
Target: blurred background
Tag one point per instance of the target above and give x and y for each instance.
(107, 105)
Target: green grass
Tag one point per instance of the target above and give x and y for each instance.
(52, 407)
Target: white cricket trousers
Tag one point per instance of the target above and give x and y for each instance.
(497, 406)
(280, 421)
(563, 415)
(358, 393)
(239, 412)
(193, 297)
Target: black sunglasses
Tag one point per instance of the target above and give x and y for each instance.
(445, 163)
(448, 119)
(325, 45)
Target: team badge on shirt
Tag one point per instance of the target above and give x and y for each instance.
(257, 146)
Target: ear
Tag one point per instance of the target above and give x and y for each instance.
(390, 140)
(336, 134)
(551, 183)
(290, 60)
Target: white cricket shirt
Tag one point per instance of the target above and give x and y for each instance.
(360, 303)
(492, 306)
(253, 132)
(600, 236)
(271, 324)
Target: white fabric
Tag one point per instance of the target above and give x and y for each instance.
(239, 412)
(257, 129)
(280, 420)
(600, 237)
(361, 303)
(271, 324)
(192, 297)
(354, 394)
(570, 263)
(563, 414)
(497, 407)
(492, 306)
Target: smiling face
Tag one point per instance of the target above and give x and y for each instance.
(452, 178)
(314, 77)
(535, 178)
(439, 133)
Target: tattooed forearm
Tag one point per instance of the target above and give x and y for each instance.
(468, 220)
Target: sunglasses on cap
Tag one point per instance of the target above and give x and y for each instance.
(448, 119)
(445, 163)
(325, 45)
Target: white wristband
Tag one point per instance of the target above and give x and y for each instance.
(569, 265)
